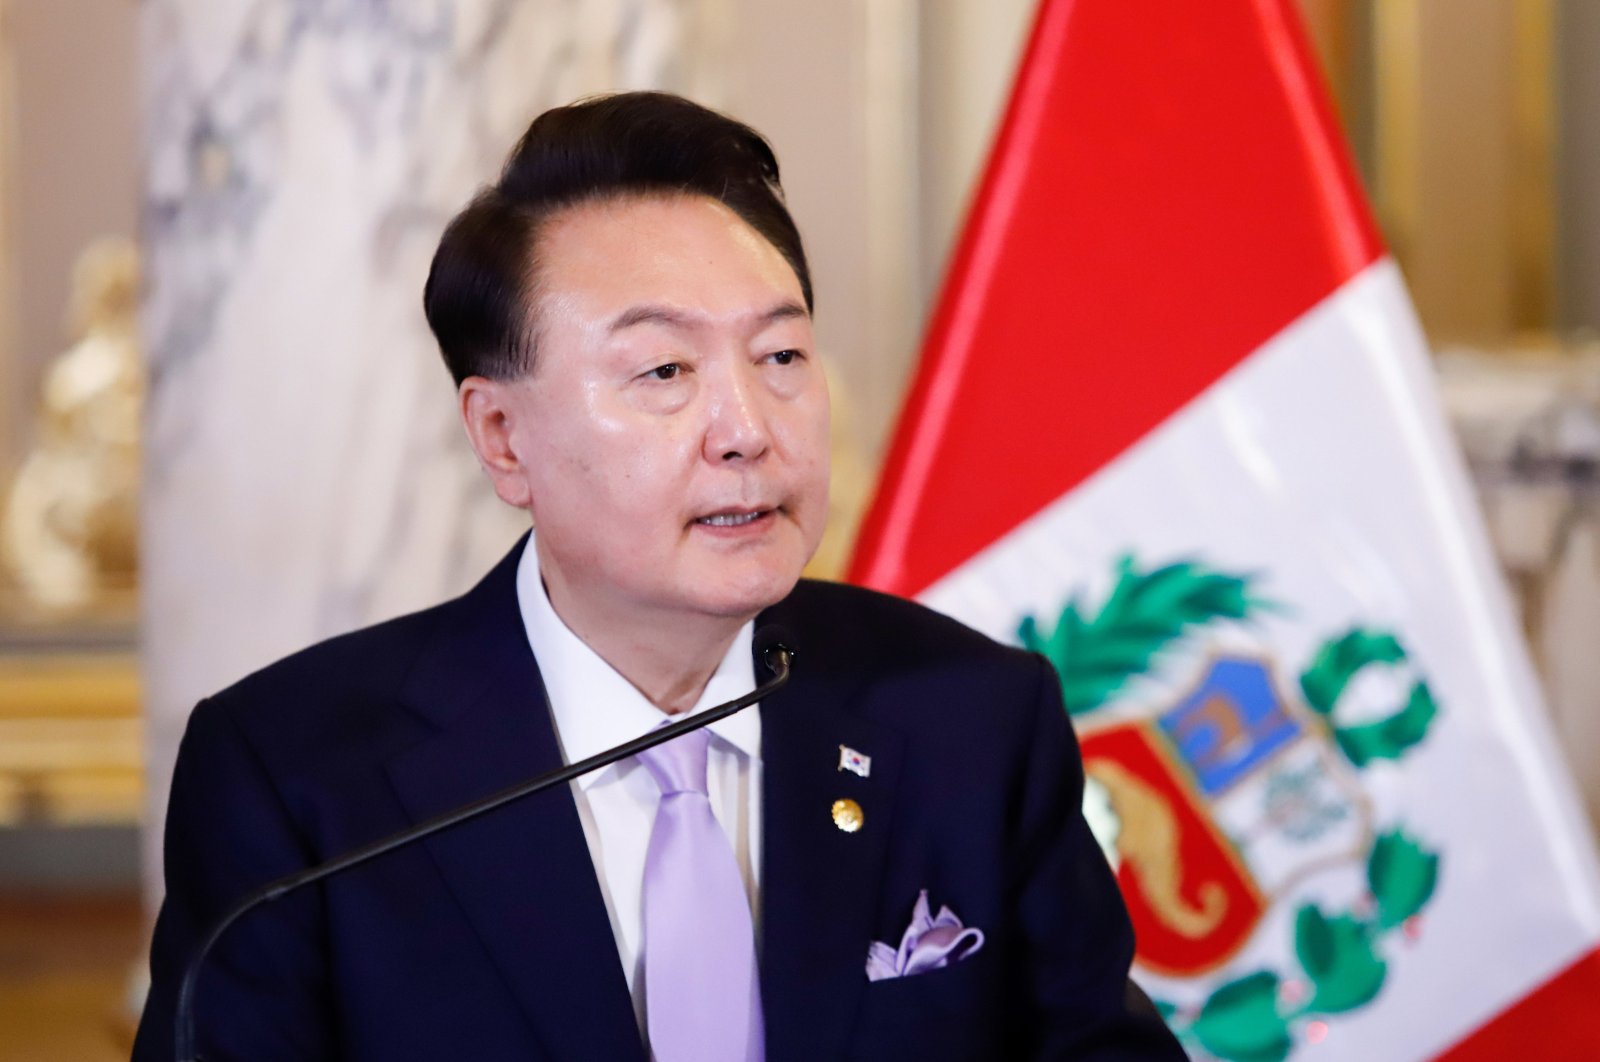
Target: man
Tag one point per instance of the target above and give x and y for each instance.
(627, 315)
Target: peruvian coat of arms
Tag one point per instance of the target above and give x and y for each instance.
(1224, 802)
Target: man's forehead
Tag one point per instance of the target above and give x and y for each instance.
(677, 261)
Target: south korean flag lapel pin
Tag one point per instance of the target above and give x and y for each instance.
(857, 763)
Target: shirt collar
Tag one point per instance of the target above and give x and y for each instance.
(594, 707)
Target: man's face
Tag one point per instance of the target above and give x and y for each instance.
(673, 434)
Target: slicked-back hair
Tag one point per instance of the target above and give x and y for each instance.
(483, 284)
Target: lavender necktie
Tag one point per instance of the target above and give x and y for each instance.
(702, 996)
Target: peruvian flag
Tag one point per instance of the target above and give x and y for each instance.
(1175, 428)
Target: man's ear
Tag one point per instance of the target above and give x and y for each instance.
(489, 411)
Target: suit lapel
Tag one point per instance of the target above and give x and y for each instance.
(522, 874)
(819, 884)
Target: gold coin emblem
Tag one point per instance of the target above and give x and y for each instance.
(847, 815)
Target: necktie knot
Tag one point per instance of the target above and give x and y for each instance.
(679, 766)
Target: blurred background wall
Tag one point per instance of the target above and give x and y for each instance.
(285, 167)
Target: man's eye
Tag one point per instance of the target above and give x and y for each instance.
(784, 357)
(665, 372)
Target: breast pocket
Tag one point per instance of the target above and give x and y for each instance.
(950, 1013)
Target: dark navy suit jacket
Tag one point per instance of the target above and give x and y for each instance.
(492, 941)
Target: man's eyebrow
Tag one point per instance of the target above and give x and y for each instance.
(650, 313)
(784, 311)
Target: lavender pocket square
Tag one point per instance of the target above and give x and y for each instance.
(928, 944)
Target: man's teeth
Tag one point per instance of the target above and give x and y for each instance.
(729, 519)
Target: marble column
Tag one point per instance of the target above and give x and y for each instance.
(305, 473)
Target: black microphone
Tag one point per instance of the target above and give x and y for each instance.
(774, 648)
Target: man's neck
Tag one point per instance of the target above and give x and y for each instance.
(669, 660)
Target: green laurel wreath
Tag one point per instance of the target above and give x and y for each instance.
(1147, 613)
(1252, 1018)
(1336, 663)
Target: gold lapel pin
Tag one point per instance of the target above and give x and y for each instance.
(847, 815)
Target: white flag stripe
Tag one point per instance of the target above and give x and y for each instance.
(1323, 464)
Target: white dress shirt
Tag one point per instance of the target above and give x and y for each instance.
(594, 708)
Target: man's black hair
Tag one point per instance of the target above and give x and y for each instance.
(482, 286)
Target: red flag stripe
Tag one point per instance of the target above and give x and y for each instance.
(1167, 191)
(1555, 1023)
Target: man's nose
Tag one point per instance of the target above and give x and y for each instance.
(737, 428)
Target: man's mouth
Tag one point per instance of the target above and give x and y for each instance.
(732, 519)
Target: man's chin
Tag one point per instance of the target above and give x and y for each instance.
(744, 600)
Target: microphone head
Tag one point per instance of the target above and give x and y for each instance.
(775, 645)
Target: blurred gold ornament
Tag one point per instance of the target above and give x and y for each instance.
(70, 528)
(848, 816)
